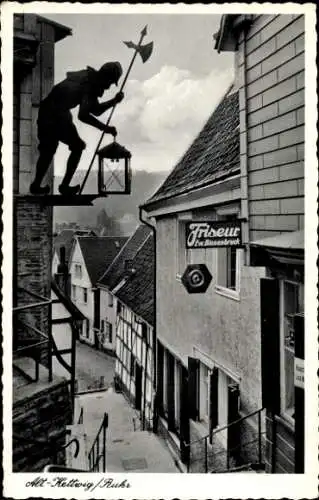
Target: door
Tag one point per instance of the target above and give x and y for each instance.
(138, 386)
(233, 437)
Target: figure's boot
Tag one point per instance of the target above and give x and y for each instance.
(43, 164)
(35, 188)
(72, 164)
(69, 190)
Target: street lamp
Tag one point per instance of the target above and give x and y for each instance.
(114, 175)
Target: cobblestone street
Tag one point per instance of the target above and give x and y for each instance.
(93, 368)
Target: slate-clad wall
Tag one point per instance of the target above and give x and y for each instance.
(43, 416)
(270, 65)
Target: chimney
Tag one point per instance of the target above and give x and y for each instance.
(63, 277)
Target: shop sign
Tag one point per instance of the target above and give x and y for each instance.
(213, 234)
(299, 370)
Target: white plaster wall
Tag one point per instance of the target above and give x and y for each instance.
(84, 282)
(227, 330)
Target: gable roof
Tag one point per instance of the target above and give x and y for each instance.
(213, 155)
(137, 291)
(114, 273)
(65, 239)
(98, 253)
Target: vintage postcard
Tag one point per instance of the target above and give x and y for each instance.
(159, 251)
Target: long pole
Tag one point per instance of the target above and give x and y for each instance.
(143, 33)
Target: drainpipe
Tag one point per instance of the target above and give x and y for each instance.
(145, 221)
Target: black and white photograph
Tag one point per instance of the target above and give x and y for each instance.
(159, 250)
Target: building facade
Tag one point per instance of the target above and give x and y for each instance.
(89, 258)
(208, 345)
(270, 69)
(129, 285)
(42, 403)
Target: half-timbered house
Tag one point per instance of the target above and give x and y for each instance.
(130, 281)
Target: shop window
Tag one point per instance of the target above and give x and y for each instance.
(292, 302)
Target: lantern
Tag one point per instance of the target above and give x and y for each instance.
(114, 176)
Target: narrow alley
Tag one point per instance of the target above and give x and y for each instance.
(93, 368)
(129, 449)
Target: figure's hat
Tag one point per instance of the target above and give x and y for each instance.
(111, 71)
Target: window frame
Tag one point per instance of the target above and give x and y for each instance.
(222, 214)
(110, 300)
(78, 271)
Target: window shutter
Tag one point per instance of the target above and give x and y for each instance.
(170, 392)
(184, 416)
(270, 343)
(193, 388)
(213, 400)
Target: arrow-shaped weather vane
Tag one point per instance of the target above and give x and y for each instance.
(145, 52)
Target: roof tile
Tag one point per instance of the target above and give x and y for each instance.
(213, 154)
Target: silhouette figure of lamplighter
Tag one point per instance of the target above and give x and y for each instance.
(80, 88)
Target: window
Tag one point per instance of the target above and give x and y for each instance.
(74, 292)
(85, 295)
(102, 325)
(109, 331)
(292, 302)
(78, 270)
(144, 332)
(228, 267)
(110, 300)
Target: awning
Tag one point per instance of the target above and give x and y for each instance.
(285, 249)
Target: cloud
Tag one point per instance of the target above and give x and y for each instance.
(159, 117)
(171, 106)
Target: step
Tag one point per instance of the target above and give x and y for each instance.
(25, 366)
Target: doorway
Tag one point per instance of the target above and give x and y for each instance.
(138, 386)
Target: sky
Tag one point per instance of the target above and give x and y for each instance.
(167, 99)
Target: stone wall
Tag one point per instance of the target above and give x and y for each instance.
(42, 416)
